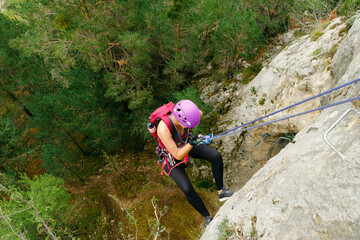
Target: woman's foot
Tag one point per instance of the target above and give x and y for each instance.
(208, 219)
(225, 194)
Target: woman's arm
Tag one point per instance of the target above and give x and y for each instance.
(166, 138)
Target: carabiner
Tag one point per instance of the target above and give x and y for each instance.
(207, 138)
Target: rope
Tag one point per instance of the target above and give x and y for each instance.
(283, 109)
(284, 118)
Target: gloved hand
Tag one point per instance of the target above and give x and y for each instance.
(195, 140)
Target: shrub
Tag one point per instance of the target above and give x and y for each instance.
(349, 7)
(225, 232)
(44, 195)
(251, 72)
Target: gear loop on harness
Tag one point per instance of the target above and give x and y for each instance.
(165, 158)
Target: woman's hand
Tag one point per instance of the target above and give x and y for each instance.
(196, 140)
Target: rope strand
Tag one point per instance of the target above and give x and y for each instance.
(283, 109)
(295, 115)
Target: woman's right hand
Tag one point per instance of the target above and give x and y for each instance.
(196, 140)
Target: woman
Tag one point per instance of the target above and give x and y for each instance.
(186, 115)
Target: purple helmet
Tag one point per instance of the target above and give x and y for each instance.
(187, 113)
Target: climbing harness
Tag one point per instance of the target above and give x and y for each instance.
(165, 158)
(232, 131)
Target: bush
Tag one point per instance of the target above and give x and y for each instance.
(349, 7)
(251, 72)
(47, 195)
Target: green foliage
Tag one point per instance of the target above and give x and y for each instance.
(253, 226)
(273, 15)
(250, 72)
(253, 90)
(192, 94)
(131, 230)
(204, 183)
(262, 101)
(350, 22)
(8, 138)
(290, 137)
(100, 68)
(63, 22)
(318, 31)
(316, 52)
(84, 214)
(349, 7)
(315, 36)
(174, 11)
(317, 8)
(47, 195)
(225, 232)
(331, 52)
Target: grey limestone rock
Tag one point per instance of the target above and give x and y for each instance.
(307, 190)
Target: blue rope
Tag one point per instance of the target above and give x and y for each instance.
(306, 100)
(281, 119)
(226, 133)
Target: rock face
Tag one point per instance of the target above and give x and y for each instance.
(346, 63)
(301, 70)
(306, 191)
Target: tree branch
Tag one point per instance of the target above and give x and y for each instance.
(8, 223)
(15, 212)
(131, 217)
(20, 197)
(157, 227)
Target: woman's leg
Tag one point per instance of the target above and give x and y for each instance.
(180, 177)
(208, 153)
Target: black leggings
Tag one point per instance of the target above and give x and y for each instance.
(180, 177)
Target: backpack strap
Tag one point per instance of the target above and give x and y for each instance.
(166, 120)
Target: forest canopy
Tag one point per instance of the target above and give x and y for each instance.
(85, 75)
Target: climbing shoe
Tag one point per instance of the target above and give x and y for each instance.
(208, 219)
(225, 194)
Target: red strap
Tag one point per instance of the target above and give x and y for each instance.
(186, 159)
(162, 171)
(170, 169)
(166, 120)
